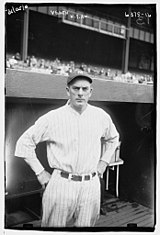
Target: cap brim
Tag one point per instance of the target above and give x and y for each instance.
(71, 79)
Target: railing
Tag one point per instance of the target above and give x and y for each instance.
(92, 22)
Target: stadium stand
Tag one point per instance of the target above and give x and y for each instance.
(56, 66)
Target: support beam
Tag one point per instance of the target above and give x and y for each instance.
(24, 51)
(125, 59)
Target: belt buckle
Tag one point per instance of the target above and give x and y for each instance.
(83, 177)
(91, 176)
(70, 177)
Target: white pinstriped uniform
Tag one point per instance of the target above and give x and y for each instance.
(73, 145)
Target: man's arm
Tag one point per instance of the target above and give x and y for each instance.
(111, 138)
(44, 178)
(26, 145)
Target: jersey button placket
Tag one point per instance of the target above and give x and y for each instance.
(77, 142)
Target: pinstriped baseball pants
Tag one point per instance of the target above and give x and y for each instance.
(65, 199)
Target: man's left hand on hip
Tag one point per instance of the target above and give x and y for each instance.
(101, 168)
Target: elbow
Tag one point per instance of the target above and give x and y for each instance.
(18, 147)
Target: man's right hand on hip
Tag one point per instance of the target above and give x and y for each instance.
(44, 178)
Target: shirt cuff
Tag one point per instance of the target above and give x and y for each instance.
(37, 174)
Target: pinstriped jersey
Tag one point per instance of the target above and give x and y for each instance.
(73, 140)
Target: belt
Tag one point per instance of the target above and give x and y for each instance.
(77, 177)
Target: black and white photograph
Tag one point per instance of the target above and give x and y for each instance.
(80, 83)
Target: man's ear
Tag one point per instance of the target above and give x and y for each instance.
(67, 89)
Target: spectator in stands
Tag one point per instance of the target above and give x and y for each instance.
(83, 67)
(102, 72)
(70, 71)
(134, 79)
(12, 62)
(33, 61)
(57, 62)
(88, 69)
(108, 73)
(42, 64)
(28, 61)
(8, 64)
(17, 56)
(71, 67)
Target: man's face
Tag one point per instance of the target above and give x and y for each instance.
(79, 92)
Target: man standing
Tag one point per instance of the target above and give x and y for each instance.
(73, 135)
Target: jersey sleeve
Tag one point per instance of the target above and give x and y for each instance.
(26, 144)
(111, 138)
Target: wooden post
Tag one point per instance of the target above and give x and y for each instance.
(24, 51)
(125, 58)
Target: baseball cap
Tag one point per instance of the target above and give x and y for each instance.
(80, 74)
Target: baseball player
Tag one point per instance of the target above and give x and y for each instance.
(73, 136)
